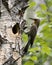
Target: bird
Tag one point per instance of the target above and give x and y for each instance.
(31, 34)
(36, 21)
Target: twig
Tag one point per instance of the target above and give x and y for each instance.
(17, 59)
(7, 60)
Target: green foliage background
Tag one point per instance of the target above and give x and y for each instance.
(42, 48)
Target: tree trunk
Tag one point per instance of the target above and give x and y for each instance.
(8, 41)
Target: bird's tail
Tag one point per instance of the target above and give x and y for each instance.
(26, 47)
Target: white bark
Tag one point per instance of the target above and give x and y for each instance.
(6, 32)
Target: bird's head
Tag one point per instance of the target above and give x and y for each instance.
(36, 21)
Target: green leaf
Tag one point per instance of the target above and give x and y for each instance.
(50, 54)
(49, 3)
(34, 58)
(43, 21)
(43, 6)
(46, 49)
(40, 14)
(34, 49)
(47, 32)
(32, 4)
(24, 37)
(49, 13)
(29, 63)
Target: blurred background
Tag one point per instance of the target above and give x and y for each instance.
(41, 52)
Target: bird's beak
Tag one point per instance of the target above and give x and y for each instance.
(35, 19)
(31, 18)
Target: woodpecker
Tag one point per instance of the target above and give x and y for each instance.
(31, 34)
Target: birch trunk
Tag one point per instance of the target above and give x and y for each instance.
(8, 41)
